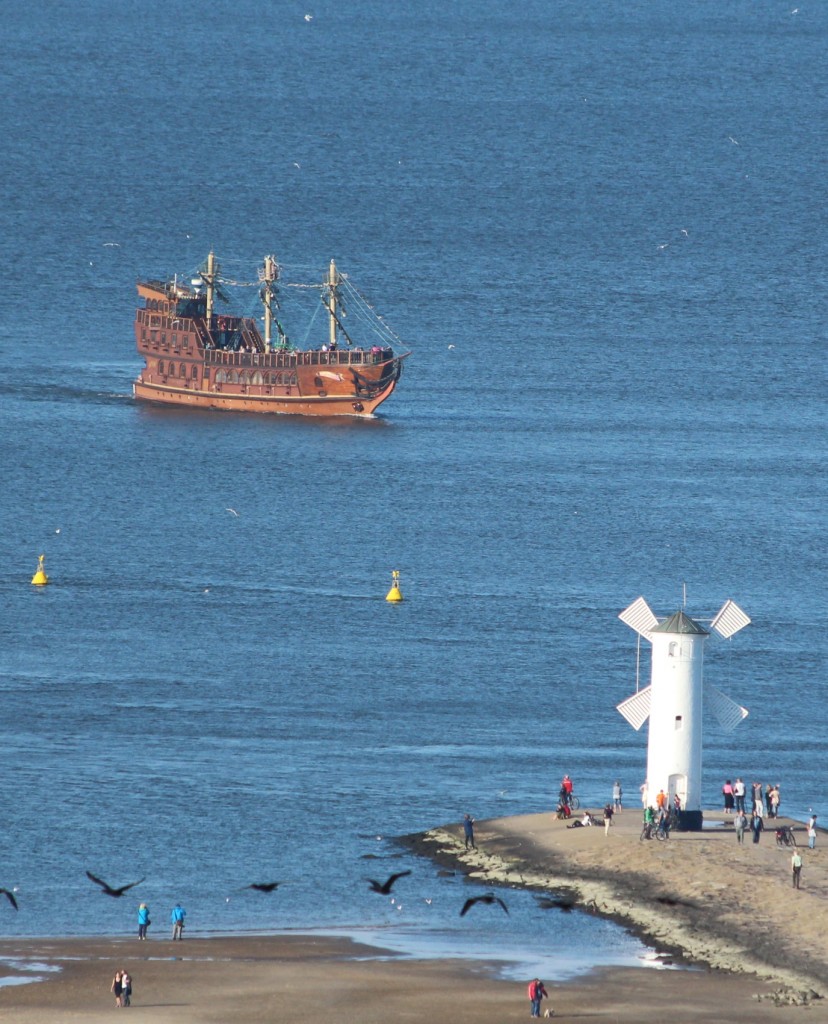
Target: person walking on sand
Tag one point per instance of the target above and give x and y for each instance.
(536, 993)
(126, 989)
(143, 922)
(177, 917)
(616, 797)
(643, 790)
(740, 824)
(117, 988)
(756, 826)
(468, 831)
(607, 818)
(796, 868)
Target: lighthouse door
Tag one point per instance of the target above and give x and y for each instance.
(678, 786)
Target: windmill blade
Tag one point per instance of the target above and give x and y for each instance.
(729, 619)
(727, 712)
(639, 616)
(636, 709)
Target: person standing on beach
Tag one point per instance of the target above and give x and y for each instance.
(756, 826)
(143, 922)
(536, 994)
(177, 917)
(643, 790)
(812, 832)
(566, 790)
(796, 868)
(616, 797)
(117, 988)
(740, 824)
(727, 793)
(468, 831)
(126, 989)
(739, 795)
(607, 818)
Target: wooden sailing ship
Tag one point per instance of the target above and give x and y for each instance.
(195, 356)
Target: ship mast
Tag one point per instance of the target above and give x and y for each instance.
(333, 296)
(209, 277)
(269, 277)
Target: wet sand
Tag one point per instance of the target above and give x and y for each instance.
(296, 979)
(756, 944)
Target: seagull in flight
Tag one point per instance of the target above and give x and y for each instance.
(489, 898)
(10, 897)
(107, 890)
(384, 888)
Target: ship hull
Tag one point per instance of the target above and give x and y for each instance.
(293, 405)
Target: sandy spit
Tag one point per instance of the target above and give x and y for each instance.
(700, 895)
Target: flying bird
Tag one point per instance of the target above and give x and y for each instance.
(488, 898)
(548, 903)
(263, 886)
(232, 510)
(10, 897)
(107, 890)
(384, 888)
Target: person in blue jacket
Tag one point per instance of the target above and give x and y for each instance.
(177, 918)
(468, 831)
(143, 921)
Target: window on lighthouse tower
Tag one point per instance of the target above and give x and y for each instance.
(678, 723)
(672, 650)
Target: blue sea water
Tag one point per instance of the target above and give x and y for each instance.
(600, 229)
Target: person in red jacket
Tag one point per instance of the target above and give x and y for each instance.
(536, 992)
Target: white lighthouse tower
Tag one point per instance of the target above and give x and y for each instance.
(674, 701)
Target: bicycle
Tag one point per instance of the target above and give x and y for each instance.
(785, 836)
(655, 830)
(574, 802)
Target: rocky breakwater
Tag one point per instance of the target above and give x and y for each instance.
(700, 895)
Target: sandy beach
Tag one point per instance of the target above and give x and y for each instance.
(757, 946)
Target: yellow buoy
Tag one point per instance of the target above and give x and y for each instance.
(394, 594)
(40, 579)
